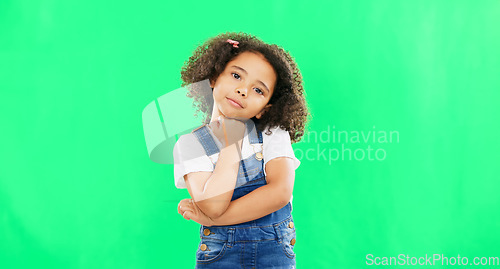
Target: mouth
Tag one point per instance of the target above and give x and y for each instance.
(234, 103)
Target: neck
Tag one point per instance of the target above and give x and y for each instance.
(215, 113)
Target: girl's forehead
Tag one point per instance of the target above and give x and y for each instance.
(250, 56)
(251, 61)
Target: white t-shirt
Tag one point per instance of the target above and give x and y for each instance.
(189, 155)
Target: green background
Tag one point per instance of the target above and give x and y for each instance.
(77, 187)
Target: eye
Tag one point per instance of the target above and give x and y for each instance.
(259, 91)
(235, 75)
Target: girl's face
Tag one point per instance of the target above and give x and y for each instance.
(244, 88)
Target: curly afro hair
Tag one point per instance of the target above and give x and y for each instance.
(288, 111)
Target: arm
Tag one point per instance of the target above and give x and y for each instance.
(212, 191)
(264, 200)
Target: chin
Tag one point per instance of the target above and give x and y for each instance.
(236, 116)
(230, 114)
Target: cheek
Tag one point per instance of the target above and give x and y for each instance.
(220, 89)
(258, 106)
(217, 93)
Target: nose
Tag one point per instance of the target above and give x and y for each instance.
(241, 91)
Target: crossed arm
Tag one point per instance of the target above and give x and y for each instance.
(212, 191)
(280, 176)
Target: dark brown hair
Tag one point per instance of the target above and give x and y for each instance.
(288, 111)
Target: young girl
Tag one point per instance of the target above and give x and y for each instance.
(239, 168)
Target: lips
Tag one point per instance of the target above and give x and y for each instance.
(234, 102)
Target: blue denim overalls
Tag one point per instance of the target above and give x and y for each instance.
(262, 243)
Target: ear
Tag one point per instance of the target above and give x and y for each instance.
(263, 111)
(212, 82)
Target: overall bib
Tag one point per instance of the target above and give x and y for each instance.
(266, 242)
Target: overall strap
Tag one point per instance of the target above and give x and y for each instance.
(254, 136)
(206, 140)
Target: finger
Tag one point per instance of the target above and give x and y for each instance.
(187, 215)
(181, 204)
(184, 207)
(192, 205)
(179, 207)
(187, 206)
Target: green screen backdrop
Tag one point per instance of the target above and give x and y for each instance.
(401, 155)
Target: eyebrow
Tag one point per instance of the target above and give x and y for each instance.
(244, 71)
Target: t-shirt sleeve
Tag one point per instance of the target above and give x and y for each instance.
(189, 156)
(278, 144)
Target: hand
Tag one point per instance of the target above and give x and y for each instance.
(228, 130)
(189, 210)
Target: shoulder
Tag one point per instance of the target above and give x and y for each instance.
(278, 144)
(276, 140)
(188, 146)
(275, 135)
(189, 138)
(186, 140)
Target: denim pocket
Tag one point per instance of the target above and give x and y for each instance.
(252, 167)
(288, 242)
(210, 250)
